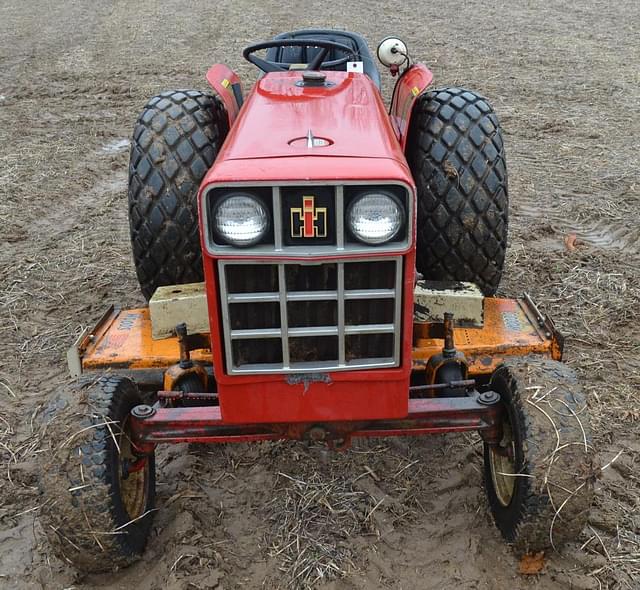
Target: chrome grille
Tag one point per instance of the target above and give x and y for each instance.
(289, 317)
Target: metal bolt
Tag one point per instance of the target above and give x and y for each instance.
(488, 398)
(317, 433)
(143, 411)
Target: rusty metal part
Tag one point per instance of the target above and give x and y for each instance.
(546, 327)
(182, 395)
(466, 383)
(204, 424)
(449, 364)
(176, 373)
(76, 352)
(449, 348)
(185, 358)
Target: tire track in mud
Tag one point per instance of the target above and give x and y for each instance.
(604, 233)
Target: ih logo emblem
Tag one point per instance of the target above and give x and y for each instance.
(308, 221)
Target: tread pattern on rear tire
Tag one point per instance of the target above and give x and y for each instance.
(175, 141)
(456, 154)
(548, 413)
(81, 509)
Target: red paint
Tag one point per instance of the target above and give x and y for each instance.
(408, 87)
(222, 79)
(365, 149)
(308, 217)
(302, 168)
(206, 424)
(351, 114)
(352, 395)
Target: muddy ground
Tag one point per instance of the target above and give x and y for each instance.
(564, 78)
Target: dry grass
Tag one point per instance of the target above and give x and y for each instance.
(313, 520)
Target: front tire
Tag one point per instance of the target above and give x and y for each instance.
(539, 480)
(175, 141)
(456, 154)
(99, 497)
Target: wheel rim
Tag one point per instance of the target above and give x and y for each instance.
(503, 469)
(133, 483)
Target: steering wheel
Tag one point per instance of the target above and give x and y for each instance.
(315, 64)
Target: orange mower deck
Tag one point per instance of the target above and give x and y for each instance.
(512, 327)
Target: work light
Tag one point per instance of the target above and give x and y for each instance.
(375, 217)
(240, 219)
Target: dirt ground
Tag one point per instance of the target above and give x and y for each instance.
(563, 77)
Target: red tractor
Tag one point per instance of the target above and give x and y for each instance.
(317, 267)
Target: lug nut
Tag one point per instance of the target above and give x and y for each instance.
(143, 411)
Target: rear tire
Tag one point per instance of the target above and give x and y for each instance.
(175, 141)
(99, 497)
(456, 155)
(540, 479)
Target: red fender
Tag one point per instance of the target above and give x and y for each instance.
(227, 86)
(409, 86)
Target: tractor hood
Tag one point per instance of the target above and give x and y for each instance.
(285, 118)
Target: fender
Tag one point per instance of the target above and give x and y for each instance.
(409, 86)
(226, 84)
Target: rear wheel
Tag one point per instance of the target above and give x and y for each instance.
(99, 495)
(175, 141)
(539, 479)
(456, 155)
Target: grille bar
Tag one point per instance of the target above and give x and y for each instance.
(277, 219)
(312, 295)
(327, 330)
(312, 331)
(253, 297)
(284, 321)
(370, 294)
(255, 334)
(372, 363)
(341, 332)
(340, 218)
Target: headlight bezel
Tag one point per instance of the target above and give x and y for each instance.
(399, 233)
(224, 240)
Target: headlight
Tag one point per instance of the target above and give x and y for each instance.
(241, 219)
(375, 217)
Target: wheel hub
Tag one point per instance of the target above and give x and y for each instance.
(503, 469)
(133, 476)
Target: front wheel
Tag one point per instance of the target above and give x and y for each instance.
(539, 479)
(99, 495)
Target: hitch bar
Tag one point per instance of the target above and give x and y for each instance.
(204, 424)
